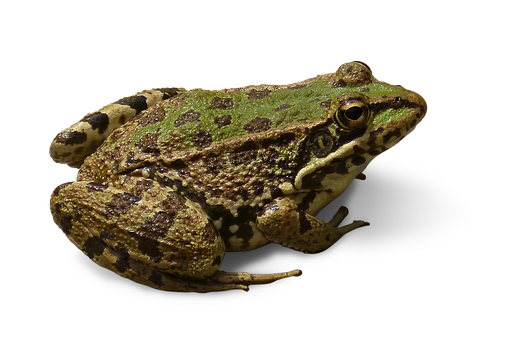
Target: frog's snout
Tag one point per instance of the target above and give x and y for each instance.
(417, 103)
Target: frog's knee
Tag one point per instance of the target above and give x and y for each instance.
(73, 145)
(198, 250)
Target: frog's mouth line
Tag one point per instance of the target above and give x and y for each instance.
(370, 145)
(343, 151)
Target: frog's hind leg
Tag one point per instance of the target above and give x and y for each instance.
(73, 145)
(246, 279)
(121, 264)
(157, 238)
(154, 239)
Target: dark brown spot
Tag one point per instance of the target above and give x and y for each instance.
(80, 151)
(244, 195)
(286, 138)
(98, 121)
(275, 192)
(358, 160)
(169, 92)
(188, 117)
(222, 103)
(358, 150)
(314, 180)
(388, 136)
(121, 203)
(222, 120)
(148, 143)
(64, 222)
(213, 163)
(138, 103)
(131, 159)
(245, 214)
(248, 145)
(307, 200)
(156, 278)
(157, 226)
(257, 125)
(71, 138)
(173, 204)
(346, 136)
(217, 261)
(255, 94)
(337, 166)
(202, 139)
(375, 152)
(177, 164)
(106, 236)
(149, 247)
(93, 247)
(258, 188)
(93, 187)
(304, 225)
(122, 264)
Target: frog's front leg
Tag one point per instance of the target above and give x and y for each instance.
(283, 222)
(159, 238)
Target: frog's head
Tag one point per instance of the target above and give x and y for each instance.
(364, 118)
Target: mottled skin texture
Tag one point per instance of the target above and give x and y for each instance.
(184, 176)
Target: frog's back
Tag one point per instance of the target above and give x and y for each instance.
(191, 120)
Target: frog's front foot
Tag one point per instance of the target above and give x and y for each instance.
(282, 222)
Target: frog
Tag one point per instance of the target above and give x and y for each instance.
(171, 179)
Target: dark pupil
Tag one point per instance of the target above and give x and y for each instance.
(354, 113)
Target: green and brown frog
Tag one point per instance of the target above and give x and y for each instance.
(171, 179)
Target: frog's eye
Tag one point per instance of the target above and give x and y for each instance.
(352, 114)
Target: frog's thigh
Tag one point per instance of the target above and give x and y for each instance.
(283, 222)
(134, 237)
